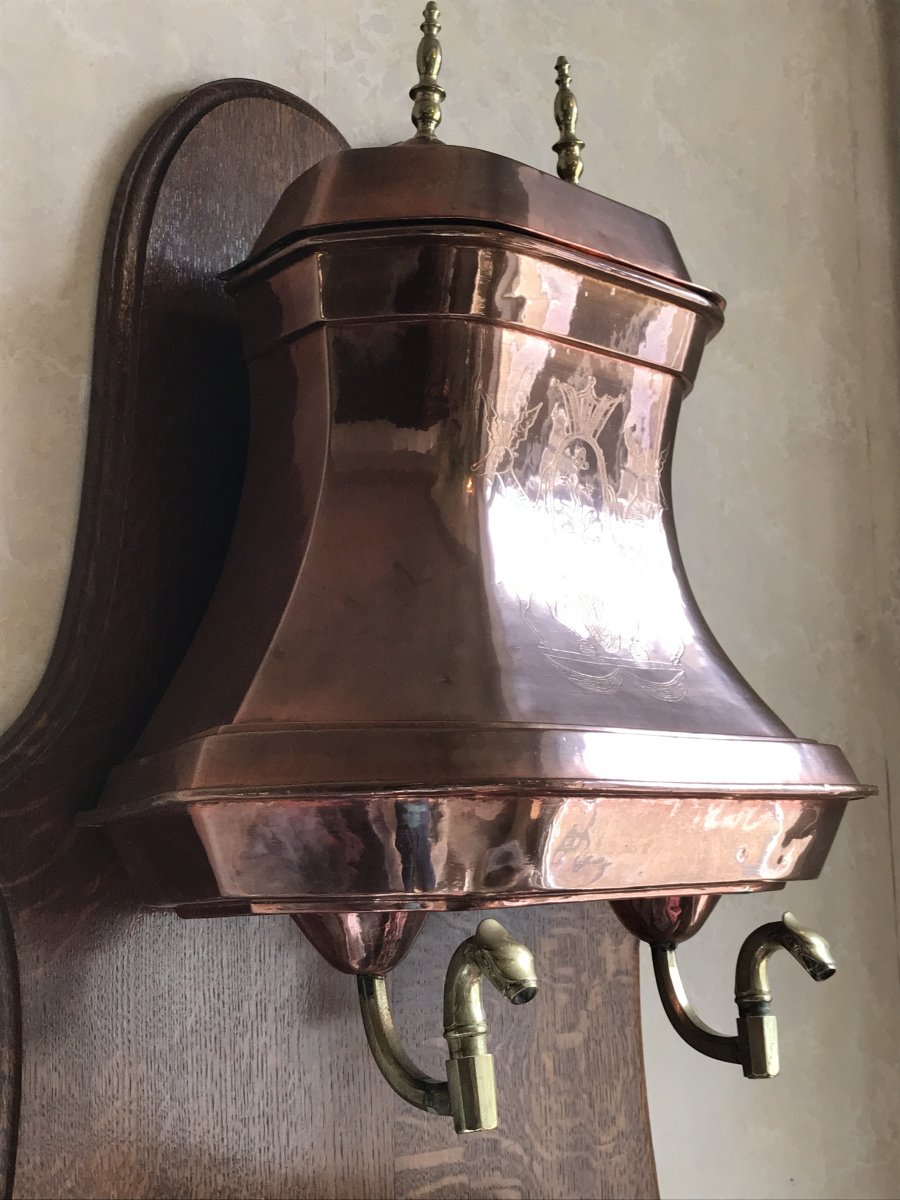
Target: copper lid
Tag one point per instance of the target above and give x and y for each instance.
(428, 182)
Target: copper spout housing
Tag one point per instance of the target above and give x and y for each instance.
(453, 660)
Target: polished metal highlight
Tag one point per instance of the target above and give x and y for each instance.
(453, 660)
(469, 1093)
(428, 93)
(755, 1046)
(565, 109)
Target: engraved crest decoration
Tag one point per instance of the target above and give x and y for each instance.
(572, 476)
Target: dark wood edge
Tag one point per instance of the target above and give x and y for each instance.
(68, 735)
(99, 538)
(10, 1052)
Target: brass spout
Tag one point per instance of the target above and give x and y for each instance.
(469, 1093)
(755, 1045)
(810, 949)
(509, 966)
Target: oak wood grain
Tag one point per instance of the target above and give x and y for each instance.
(224, 1058)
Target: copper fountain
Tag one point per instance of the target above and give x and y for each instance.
(454, 661)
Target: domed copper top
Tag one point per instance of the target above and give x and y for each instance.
(426, 182)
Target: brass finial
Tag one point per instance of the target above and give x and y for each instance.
(565, 109)
(428, 93)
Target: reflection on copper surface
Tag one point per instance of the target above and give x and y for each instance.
(586, 511)
(476, 851)
(665, 920)
(453, 659)
(361, 943)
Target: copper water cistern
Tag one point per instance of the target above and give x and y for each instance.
(453, 661)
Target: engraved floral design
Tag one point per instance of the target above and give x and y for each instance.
(586, 462)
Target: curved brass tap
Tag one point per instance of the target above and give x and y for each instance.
(810, 949)
(755, 1046)
(468, 1094)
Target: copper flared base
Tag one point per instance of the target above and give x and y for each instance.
(418, 818)
(404, 851)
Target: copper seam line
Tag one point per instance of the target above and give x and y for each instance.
(475, 319)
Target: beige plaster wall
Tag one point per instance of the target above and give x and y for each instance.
(759, 130)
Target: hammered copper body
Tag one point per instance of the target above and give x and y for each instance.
(453, 660)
